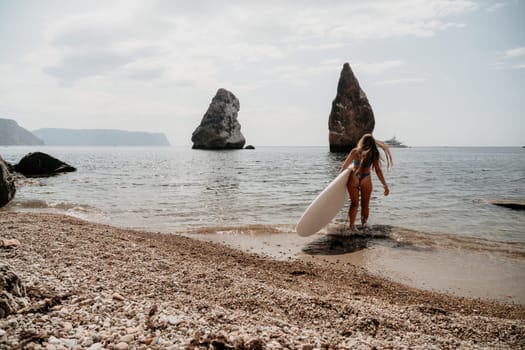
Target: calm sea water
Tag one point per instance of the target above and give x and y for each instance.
(442, 190)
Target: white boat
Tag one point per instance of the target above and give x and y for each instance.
(394, 143)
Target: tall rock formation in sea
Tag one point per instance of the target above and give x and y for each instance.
(219, 127)
(351, 116)
(12, 134)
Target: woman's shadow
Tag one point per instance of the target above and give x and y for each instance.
(340, 241)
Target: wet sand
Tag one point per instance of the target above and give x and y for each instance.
(105, 287)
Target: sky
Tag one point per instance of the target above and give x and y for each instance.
(436, 72)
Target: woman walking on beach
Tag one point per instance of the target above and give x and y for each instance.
(363, 158)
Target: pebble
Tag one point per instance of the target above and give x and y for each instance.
(128, 338)
(117, 297)
(121, 346)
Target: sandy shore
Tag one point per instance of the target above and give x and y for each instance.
(94, 286)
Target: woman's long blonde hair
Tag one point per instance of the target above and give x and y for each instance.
(368, 152)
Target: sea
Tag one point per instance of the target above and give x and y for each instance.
(437, 229)
(173, 189)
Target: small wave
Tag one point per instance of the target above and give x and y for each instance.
(395, 237)
(244, 230)
(456, 242)
(41, 204)
(22, 181)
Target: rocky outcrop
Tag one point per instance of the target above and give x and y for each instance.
(12, 291)
(7, 184)
(219, 128)
(516, 205)
(11, 134)
(41, 164)
(351, 116)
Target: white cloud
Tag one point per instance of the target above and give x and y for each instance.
(377, 67)
(495, 6)
(515, 52)
(376, 19)
(233, 34)
(401, 81)
(508, 59)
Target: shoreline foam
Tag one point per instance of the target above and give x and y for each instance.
(141, 289)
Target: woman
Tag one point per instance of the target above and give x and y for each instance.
(363, 157)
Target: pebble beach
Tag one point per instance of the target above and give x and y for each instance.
(94, 286)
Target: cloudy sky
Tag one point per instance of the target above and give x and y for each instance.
(436, 72)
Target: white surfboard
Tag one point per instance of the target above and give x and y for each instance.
(326, 206)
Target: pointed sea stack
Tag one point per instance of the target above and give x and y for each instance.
(219, 128)
(351, 116)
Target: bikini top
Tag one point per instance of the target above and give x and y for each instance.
(356, 161)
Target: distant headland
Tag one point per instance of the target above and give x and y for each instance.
(12, 134)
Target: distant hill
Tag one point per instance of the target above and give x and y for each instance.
(12, 134)
(100, 137)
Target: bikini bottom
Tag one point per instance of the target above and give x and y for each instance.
(362, 176)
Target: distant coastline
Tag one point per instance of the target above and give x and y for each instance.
(100, 137)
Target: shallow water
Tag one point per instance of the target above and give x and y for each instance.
(438, 230)
(443, 190)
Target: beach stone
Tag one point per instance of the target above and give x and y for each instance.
(9, 243)
(42, 164)
(7, 183)
(351, 116)
(219, 127)
(12, 291)
(128, 338)
(121, 346)
(117, 297)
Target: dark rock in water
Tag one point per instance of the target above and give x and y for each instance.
(219, 128)
(249, 147)
(41, 164)
(510, 204)
(7, 183)
(13, 134)
(351, 116)
(12, 291)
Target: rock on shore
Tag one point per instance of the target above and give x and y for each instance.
(351, 116)
(7, 183)
(219, 127)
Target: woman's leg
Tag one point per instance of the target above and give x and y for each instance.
(366, 193)
(353, 190)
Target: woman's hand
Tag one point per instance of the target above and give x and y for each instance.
(387, 191)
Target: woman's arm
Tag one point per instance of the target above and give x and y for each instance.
(380, 176)
(349, 160)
